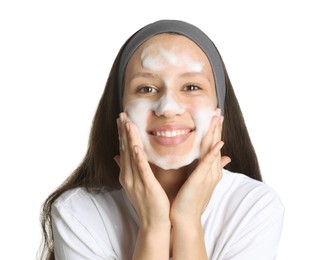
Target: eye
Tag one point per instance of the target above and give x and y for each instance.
(147, 89)
(191, 87)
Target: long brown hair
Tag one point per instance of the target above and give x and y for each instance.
(98, 171)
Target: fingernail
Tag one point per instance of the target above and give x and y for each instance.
(219, 112)
(121, 145)
(127, 125)
(122, 117)
(135, 149)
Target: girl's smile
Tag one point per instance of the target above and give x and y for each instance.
(170, 135)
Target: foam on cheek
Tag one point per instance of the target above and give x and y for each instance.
(202, 119)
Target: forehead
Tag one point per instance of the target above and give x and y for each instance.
(175, 43)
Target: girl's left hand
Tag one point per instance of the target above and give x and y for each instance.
(196, 192)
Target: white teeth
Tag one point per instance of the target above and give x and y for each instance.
(171, 133)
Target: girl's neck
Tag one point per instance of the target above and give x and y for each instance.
(172, 180)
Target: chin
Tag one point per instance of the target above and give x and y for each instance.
(172, 162)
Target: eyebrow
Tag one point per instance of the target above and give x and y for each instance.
(155, 76)
(144, 75)
(193, 74)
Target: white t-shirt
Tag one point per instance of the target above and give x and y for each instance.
(242, 221)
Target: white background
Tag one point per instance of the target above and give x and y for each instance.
(54, 61)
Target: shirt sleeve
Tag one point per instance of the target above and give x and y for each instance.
(257, 234)
(75, 235)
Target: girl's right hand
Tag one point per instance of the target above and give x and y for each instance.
(144, 191)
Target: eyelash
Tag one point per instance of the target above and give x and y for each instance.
(150, 89)
(190, 86)
(147, 89)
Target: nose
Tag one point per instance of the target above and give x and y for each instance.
(168, 106)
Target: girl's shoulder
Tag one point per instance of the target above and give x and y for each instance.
(243, 184)
(239, 190)
(102, 220)
(81, 199)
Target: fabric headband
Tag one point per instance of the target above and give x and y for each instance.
(188, 30)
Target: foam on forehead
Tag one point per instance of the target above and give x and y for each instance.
(188, 30)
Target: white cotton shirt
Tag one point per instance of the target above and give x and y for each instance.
(242, 221)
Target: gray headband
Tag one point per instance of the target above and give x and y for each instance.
(188, 30)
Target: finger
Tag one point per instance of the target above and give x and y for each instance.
(224, 161)
(221, 161)
(209, 163)
(121, 145)
(214, 123)
(133, 136)
(214, 159)
(218, 130)
(132, 140)
(213, 154)
(208, 140)
(142, 165)
(126, 172)
(124, 121)
(139, 161)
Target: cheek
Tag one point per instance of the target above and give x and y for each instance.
(136, 112)
(200, 106)
(202, 119)
(202, 113)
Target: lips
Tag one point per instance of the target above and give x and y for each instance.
(170, 135)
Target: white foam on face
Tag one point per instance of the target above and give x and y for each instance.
(202, 119)
(138, 112)
(157, 59)
(167, 103)
(162, 57)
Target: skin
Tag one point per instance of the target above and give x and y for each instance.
(170, 202)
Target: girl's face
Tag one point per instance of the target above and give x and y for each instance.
(170, 96)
